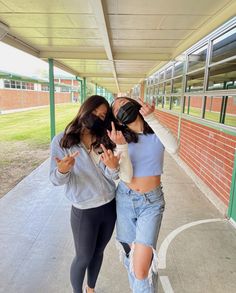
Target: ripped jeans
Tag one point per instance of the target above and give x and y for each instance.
(139, 217)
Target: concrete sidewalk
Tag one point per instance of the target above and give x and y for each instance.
(195, 255)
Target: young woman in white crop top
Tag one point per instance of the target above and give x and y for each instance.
(140, 203)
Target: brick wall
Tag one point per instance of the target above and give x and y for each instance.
(171, 121)
(16, 99)
(210, 154)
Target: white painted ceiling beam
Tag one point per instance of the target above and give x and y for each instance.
(101, 22)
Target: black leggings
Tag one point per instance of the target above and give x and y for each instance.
(92, 229)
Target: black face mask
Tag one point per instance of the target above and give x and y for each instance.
(96, 125)
(127, 113)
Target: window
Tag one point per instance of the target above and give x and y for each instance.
(230, 113)
(195, 81)
(161, 89)
(168, 87)
(45, 88)
(64, 89)
(29, 86)
(178, 68)
(177, 85)
(176, 103)
(197, 59)
(213, 108)
(7, 83)
(222, 76)
(224, 46)
(13, 84)
(161, 76)
(166, 102)
(18, 84)
(159, 102)
(193, 106)
(169, 73)
(208, 86)
(155, 91)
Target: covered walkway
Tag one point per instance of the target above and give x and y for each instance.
(195, 255)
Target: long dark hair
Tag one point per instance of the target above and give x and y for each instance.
(73, 131)
(130, 135)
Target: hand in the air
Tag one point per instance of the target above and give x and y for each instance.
(109, 159)
(64, 165)
(146, 108)
(115, 135)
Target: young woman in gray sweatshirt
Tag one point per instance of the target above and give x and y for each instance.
(87, 162)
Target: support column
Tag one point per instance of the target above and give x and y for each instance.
(52, 99)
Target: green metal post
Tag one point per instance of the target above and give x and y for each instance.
(96, 89)
(232, 202)
(81, 89)
(52, 99)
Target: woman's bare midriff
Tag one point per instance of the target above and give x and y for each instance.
(144, 184)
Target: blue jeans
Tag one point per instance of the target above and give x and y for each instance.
(139, 217)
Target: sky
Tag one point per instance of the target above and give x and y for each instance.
(18, 62)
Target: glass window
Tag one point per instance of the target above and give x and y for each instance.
(169, 72)
(147, 93)
(168, 87)
(161, 88)
(156, 78)
(186, 104)
(7, 83)
(161, 76)
(222, 76)
(45, 88)
(175, 103)
(177, 85)
(13, 84)
(23, 85)
(213, 108)
(166, 102)
(224, 46)
(193, 106)
(197, 59)
(159, 101)
(178, 68)
(18, 84)
(195, 81)
(30, 86)
(151, 92)
(230, 115)
(155, 91)
(64, 89)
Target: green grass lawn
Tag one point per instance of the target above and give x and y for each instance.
(33, 126)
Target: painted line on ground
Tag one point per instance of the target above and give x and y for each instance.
(166, 286)
(165, 244)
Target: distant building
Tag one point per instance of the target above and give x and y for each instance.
(20, 92)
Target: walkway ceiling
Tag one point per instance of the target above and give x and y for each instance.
(114, 43)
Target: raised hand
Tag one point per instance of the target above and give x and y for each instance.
(146, 108)
(109, 159)
(64, 165)
(115, 135)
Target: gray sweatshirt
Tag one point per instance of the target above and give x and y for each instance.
(90, 183)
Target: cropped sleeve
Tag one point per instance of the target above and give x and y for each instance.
(126, 169)
(164, 134)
